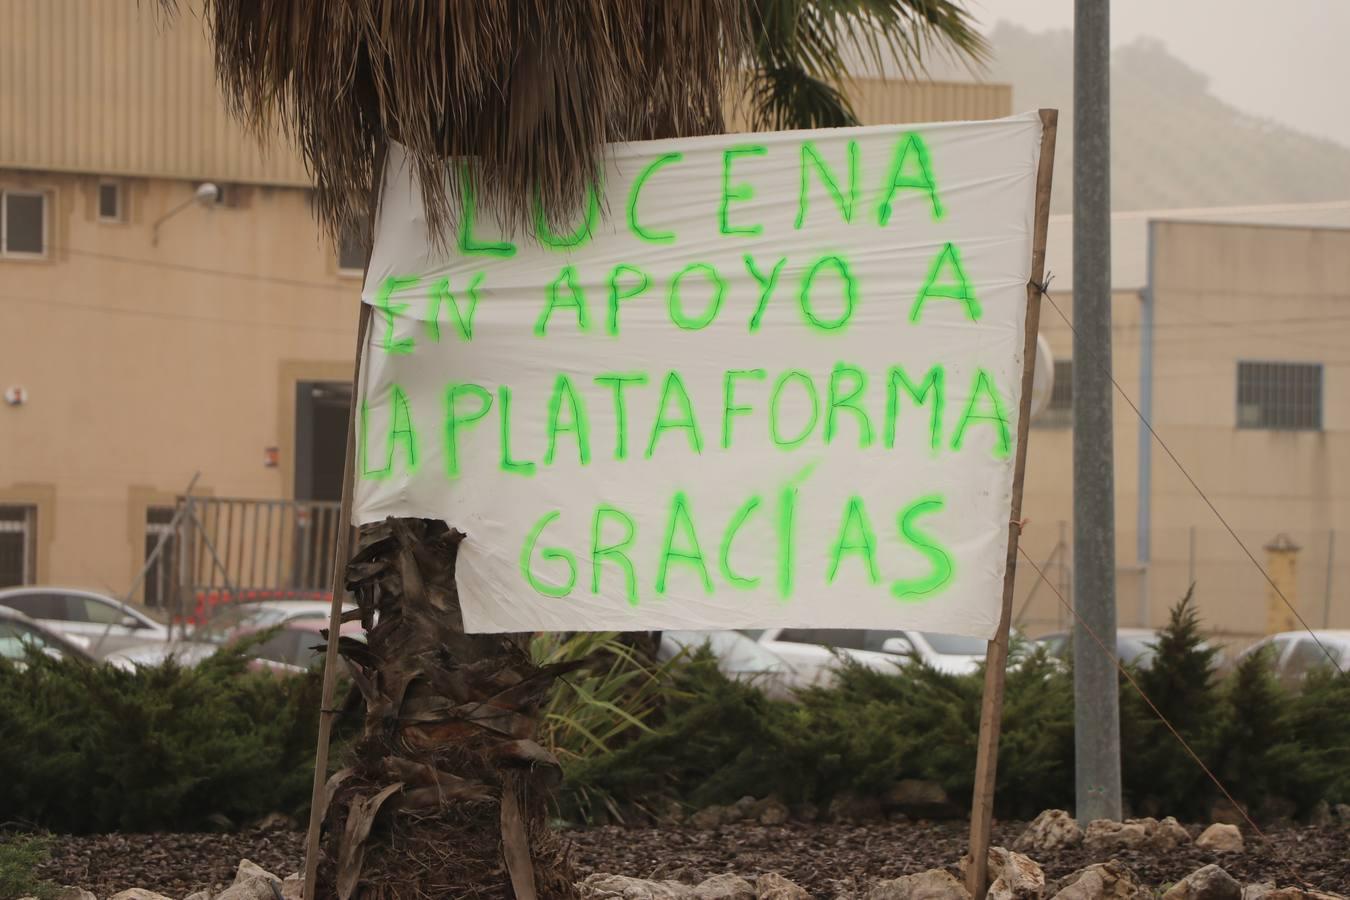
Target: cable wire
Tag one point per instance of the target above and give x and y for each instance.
(1045, 292)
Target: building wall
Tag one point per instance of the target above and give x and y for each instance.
(145, 364)
(1223, 293)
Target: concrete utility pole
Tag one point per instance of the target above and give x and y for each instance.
(1096, 704)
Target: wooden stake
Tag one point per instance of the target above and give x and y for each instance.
(996, 658)
(341, 551)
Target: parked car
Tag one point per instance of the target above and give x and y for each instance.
(232, 622)
(254, 615)
(97, 622)
(738, 657)
(815, 652)
(1293, 654)
(292, 647)
(20, 634)
(1136, 646)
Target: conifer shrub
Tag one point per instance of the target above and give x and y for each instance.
(1156, 770)
(94, 748)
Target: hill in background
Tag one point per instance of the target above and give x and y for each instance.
(1173, 143)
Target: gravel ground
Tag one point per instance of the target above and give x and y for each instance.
(826, 859)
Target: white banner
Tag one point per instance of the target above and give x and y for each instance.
(770, 379)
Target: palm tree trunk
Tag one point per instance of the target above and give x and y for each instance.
(446, 793)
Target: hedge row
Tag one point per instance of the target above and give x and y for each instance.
(92, 749)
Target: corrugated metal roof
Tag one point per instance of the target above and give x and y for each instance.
(106, 86)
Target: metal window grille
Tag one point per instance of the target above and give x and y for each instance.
(1059, 412)
(1279, 395)
(18, 533)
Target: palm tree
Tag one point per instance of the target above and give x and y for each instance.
(446, 791)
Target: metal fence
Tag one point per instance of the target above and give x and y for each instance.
(1310, 566)
(218, 549)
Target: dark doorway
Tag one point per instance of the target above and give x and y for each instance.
(321, 412)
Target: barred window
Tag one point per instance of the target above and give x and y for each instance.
(1058, 413)
(1280, 396)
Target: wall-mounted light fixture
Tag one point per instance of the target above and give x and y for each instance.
(206, 195)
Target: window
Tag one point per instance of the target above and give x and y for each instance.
(109, 201)
(840, 638)
(1308, 655)
(39, 605)
(1058, 413)
(159, 578)
(352, 249)
(98, 612)
(1279, 396)
(23, 223)
(18, 530)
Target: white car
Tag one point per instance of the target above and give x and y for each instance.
(739, 657)
(227, 622)
(95, 622)
(815, 652)
(1293, 654)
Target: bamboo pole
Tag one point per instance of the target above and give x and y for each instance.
(996, 658)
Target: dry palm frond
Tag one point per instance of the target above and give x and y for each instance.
(529, 90)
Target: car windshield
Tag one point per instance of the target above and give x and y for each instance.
(735, 651)
(955, 644)
(228, 622)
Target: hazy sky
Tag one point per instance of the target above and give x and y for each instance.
(1288, 61)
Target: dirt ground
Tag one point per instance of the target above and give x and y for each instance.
(828, 860)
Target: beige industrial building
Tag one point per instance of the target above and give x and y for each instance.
(153, 331)
(1230, 331)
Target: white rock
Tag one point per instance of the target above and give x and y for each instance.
(1169, 834)
(252, 887)
(137, 894)
(1207, 883)
(1053, 829)
(1103, 881)
(292, 887)
(1103, 836)
(198, 895)
(74, 893)
(1012, 876)
(603, 887)
(1220, 838)
(249, 869)
(773, 886)
(934, 884)
(725, 887)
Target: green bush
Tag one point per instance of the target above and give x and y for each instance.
(93, 748)
(20, 855)
(718, 740)
(1156, 770)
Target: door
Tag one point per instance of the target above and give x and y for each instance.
(322, 409)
